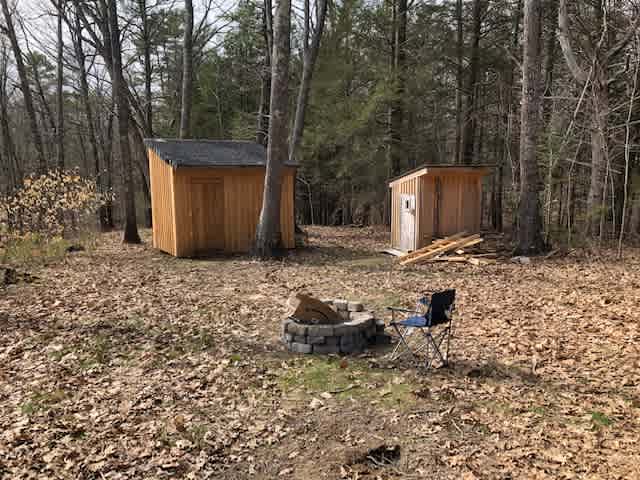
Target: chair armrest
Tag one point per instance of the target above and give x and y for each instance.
(403, 310)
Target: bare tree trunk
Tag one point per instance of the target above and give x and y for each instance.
(471, 120)
(599, 60)
(24, 83)
(148, 71)
(268, 234)
(397, 110)
(88, 110)
(459, 80)
(597, 187)
(513, 141)
(84, 92)
(395, 140)
(262, 134)
(59, 90)
(509, 149)
(550, 55)
(15, 171)
(83, 153)
(142, 163)
(121, 102)
(187, 71)
(627, 153)
(530, 221)
(309, 57)
(46, 115)
(106, 211)
(634, 221)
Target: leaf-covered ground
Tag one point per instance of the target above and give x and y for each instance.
(124, 362)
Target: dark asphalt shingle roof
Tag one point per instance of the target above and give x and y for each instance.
(209, 153)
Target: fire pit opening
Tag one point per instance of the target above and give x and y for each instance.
(331, 326)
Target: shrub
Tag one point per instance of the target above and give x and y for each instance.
(55, 204)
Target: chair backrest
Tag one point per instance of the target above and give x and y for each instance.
(441, 305)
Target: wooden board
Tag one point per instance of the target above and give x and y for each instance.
(455, 259)
(394, 252)
(447, 247)
(472, 243)
(433, 245)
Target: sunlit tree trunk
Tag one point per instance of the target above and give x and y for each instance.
(268, 235)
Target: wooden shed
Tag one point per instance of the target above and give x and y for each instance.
(206, 195)
(435, 201)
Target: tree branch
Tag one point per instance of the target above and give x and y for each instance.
(563, 36)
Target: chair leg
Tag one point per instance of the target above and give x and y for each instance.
(434, 343)
(448, 342)
(402, 343)
(437, 342)
(431, 346)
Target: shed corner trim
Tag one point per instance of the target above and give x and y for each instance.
(409, 176)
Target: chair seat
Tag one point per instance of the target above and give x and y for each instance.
(417, 321)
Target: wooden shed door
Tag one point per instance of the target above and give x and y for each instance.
(407, 222)
(207, 214)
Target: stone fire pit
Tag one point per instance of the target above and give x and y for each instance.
(320, 330)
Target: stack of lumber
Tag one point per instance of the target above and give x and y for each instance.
(438, 249)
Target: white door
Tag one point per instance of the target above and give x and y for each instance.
(407, 222)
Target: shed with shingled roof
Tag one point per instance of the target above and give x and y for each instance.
(206, 195)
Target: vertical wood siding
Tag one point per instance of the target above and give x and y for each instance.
(207, 202)
(232, 196)
(427, 220)
(448, 222)
(460, 205)
(161, 183)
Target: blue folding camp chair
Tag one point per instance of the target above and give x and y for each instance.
(434, 322)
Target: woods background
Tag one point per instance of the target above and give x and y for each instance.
(375, 88)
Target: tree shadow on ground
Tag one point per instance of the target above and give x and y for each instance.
(337, 255)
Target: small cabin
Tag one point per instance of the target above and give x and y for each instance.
(206, 196)
(435, 201)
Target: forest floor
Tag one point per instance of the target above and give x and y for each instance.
(123, 362)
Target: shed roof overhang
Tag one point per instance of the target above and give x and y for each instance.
(442, 170)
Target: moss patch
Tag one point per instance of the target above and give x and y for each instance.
(345, 378)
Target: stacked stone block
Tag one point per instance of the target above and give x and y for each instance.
(359, 330)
